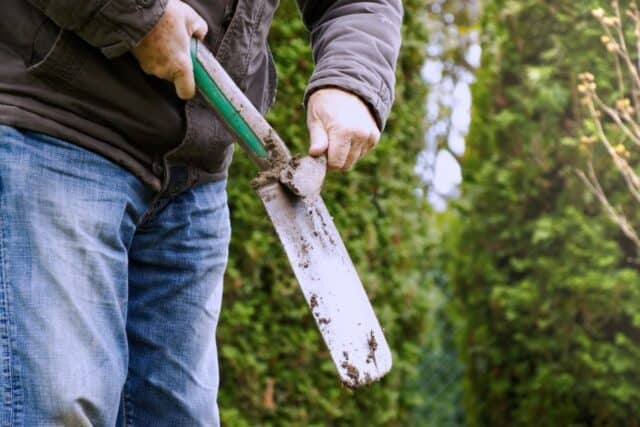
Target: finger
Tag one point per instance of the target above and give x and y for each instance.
(339, 148)
(371, 142)
(375, 137)
(319, 138)
(183, 80)
(354, 156)
(199, 28)
(196, 26)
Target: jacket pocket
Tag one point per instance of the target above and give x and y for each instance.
(57, 55)
(229, 13)
(231, 51)
(207, 144)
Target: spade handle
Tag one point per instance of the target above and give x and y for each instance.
(255, 135)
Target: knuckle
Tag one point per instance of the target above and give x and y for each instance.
(372, 142)
(147, 69)
(361, 134)
(334, 163)
(163, 73)
(149, 66)
(358, 134)
(162, 70)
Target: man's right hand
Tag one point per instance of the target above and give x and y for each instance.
(164, 52)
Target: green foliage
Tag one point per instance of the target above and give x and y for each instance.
(546, 288)
(274, 368)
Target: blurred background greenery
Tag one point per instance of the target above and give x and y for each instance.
(516, 302)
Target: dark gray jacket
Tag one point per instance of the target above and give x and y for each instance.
(65, 71)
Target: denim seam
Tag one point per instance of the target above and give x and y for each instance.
(12, 392)
(128, 406)
(124, 408)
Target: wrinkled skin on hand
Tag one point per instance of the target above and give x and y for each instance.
(341, 125)
(164, 52)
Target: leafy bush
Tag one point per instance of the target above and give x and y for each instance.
(274, 367)
(546, 287)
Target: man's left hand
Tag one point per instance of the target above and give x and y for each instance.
(341, 125)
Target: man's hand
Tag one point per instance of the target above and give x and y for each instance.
(340, 124)
(164, 52)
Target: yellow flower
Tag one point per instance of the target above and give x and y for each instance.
(624, 106)
(598, 13)
(613, 47)
(621, 150)
(586, 77)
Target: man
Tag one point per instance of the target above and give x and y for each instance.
(114, 224)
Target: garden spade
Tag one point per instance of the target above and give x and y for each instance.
(290, 191)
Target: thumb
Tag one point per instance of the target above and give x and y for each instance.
(319, 138)
(184, 81)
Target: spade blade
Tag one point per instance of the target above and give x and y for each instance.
(330, 284)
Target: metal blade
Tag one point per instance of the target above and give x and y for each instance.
(330, 285)
(304, 176)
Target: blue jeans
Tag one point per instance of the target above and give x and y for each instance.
(109, 301)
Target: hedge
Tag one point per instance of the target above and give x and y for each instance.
(546, 288)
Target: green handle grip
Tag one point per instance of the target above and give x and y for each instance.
(223, 106)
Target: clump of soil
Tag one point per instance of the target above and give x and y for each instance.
(266, 177)
(313, 302)
(276, 163)
(286, 174)
(357, 378)
(303, 254)
(373, 346)
(276, 156)
(324, 226)
(352, 373)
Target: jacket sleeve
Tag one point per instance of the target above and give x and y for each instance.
(355, 47)
(113, 26)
